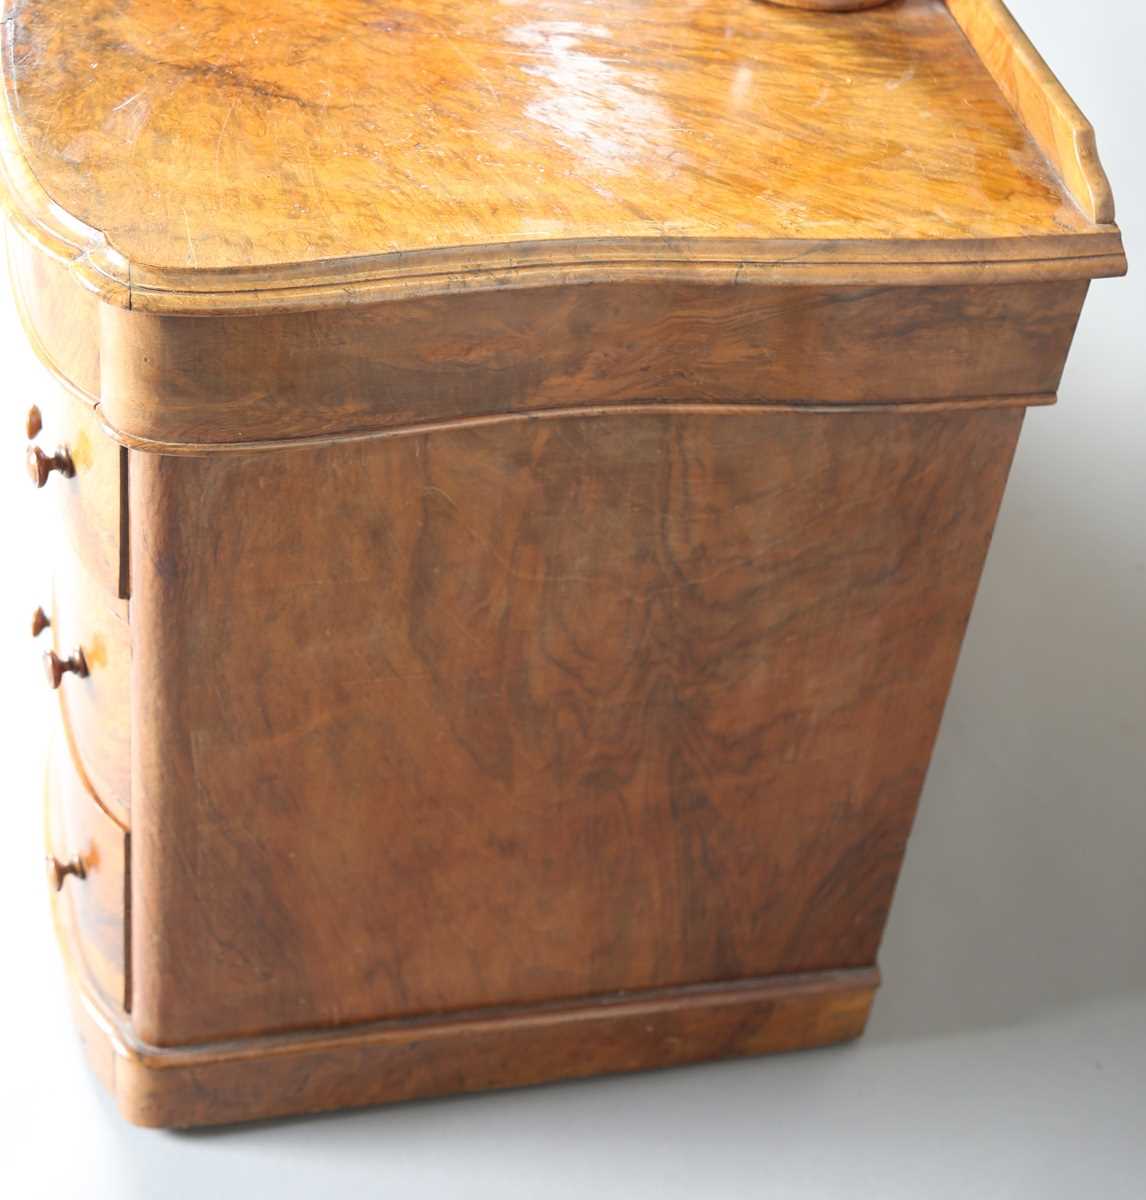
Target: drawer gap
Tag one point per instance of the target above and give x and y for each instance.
(124, 590)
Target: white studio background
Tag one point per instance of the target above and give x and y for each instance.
(1007, 1052)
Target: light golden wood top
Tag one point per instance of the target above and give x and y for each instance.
(273, 142)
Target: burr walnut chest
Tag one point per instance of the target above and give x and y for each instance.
(520, 472)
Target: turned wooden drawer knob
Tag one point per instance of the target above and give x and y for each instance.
(35, 422)
(59, 871)
(41, 465)
(40, 622)
(56, 667)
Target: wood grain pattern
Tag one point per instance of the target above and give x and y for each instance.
(89, 507)
(547, 454)
(170, 383)
(1063, 134)
(829, 5)
(390, 1061)
(174, 381)
(621, 703)
(97, 904)
(873, 263)
(96, 710)
(327, 138)
(33, 216)
(60, 318)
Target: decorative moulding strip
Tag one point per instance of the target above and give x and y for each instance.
(960, 404)
(501, 268)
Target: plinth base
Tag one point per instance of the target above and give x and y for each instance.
(386, 1061)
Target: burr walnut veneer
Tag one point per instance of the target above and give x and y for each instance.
(521, 473)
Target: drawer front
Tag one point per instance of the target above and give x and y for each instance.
(87, 867)
(89, 662)
(80, 472)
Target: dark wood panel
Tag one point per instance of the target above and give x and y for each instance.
(238, 378)
(541, 710)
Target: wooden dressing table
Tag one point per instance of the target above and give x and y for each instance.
(520, 474)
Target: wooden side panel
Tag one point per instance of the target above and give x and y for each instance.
(537, 711)
(383, 366)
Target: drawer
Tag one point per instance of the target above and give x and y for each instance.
(87, 861)
(87, 658)
(81, 475)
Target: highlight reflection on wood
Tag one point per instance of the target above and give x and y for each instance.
(829, 5)
(532, 466)
(317, 130)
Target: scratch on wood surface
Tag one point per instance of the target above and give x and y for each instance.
(190, 241)
(130, 100)
(222, 132)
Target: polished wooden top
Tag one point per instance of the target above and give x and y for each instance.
(240, 137)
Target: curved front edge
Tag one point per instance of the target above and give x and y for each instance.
(175, 384)
(88, 860)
